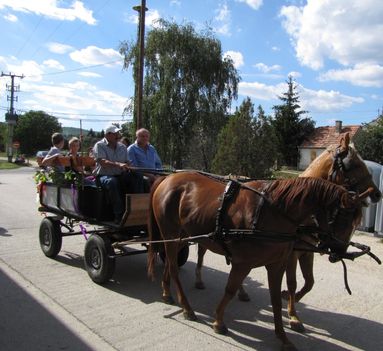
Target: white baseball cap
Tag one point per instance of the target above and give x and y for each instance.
(112, 129)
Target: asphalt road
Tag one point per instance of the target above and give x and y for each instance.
(53, 305)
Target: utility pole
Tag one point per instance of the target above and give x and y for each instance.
(11, 116)
(140, 78)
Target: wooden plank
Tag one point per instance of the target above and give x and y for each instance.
(137, 209)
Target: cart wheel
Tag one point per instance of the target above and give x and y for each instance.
(97, 257)
(50, 237)
(182, 256)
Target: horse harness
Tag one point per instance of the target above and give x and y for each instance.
(342, 162)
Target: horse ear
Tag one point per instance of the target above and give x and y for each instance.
(345, 141)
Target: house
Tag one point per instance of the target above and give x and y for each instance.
(321, 139)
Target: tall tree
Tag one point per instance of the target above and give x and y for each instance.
(369, 141)
(247, 144)
(34, 130)
(188, 89)
(290, 127)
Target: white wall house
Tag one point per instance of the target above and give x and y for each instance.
(321, 139)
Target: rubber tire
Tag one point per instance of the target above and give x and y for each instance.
(183, 256)
(50, 237)
(98, 263)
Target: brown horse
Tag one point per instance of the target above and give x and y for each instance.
(186, 205)
(341, 165)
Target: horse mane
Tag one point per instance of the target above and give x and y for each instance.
(283, 193)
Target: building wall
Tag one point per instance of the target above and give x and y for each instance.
(307, 156)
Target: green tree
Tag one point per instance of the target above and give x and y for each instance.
(247, 144)
(369, 141)
(290, 127)
(34, 130)
(188, 89)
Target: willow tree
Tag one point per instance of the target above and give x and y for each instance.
(188, 90)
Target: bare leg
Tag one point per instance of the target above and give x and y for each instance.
(274, 275)
(236, 277)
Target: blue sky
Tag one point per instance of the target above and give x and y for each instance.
(68, 52)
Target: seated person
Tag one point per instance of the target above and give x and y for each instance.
(143, 155)
(112, 170)
(53, 155)
(75, 161)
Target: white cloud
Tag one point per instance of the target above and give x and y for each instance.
(151, 18)
(261, 91)
(326, 101)
(54, 64)
(294, 74)
(346, 31)
(10, 18)
(236, 56)
(93, 55)
(310, 100)
(222, 20)
(267, 69)
(51, 9)
(89, 74)
(364, 75)
(59, 48)
(254, 4)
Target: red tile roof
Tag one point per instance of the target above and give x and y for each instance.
(322, 137)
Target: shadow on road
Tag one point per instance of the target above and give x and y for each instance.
(250, 323)
(26, 324)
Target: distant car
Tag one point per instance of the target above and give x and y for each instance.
(41, 153)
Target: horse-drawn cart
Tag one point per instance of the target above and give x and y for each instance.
(84, 210)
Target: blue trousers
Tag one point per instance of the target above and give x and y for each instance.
(118, 186)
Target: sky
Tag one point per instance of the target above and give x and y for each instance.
(67, 53)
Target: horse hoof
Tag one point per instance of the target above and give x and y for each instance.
(199, 285)
(220, 329)
(285, 295)
(168, 299)
(189, 315)
(297, 326)
(244, 297)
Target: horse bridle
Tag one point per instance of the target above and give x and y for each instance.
(342, 162)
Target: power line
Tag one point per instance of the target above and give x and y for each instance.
(75, 69)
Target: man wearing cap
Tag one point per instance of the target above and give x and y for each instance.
(112, 169)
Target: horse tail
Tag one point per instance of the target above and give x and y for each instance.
(153, 231)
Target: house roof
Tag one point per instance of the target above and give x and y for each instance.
(323, 137)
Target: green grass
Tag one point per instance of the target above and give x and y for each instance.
(6, 165)
(285, 174)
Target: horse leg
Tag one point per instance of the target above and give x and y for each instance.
(291, 278)
(306, 263)
(237, 274)
(165, 284)
(172, 257)
(199, 284)
(274, 276)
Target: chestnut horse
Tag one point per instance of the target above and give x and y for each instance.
(185, 205)
(341, 165)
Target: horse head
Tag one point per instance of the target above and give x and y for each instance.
(349, 170)
(342, 220)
